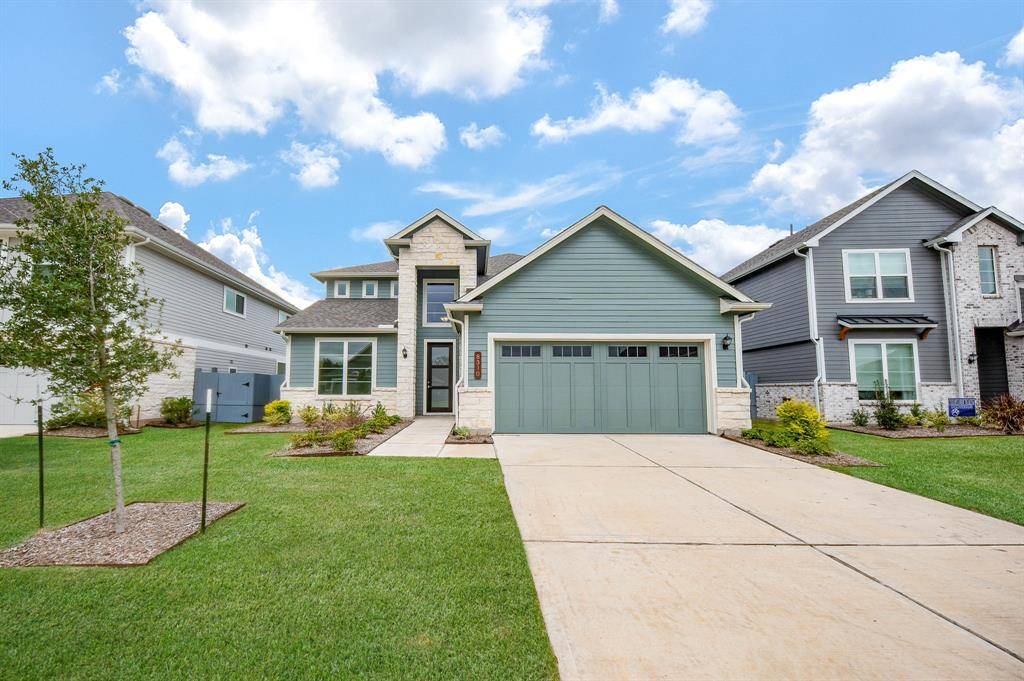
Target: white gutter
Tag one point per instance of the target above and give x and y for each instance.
(812, 314)
(954, 317)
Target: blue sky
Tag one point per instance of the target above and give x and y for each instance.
(295, 136)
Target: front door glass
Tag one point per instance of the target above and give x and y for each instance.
(439, 377)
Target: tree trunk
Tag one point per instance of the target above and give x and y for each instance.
(115, 458)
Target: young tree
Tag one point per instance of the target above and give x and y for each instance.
(77, 311)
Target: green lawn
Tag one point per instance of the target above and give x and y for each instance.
(356, 566)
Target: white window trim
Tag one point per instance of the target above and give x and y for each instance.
(455, 373)
(348, 288)
(344, 371)
(885, 363)
(995, 270)
(282, 316)
(878, 275)
(423, 305)
(376, 288)
(245, 305)
(394, 288)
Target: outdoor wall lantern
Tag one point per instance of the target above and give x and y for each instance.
(726, 342)
(405, 353)
(971, 357)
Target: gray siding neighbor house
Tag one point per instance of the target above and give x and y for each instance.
(601, 329)
(224, 319)
(911, 286)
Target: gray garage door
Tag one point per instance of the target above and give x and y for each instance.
(600, 388)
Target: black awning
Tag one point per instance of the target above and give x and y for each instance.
(919, 323)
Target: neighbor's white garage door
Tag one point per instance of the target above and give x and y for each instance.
(15, 384)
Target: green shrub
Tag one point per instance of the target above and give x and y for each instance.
(860, 418)
(937, 419)
(909, 420)
(969, 420)
(754, 433)
(278, 412)
(917, 411)
(801, 420)
(176, 410)
(379, 412)
(87, 410)
(887, 414)
(350, 415)
(361, 430)
(343, 441)
(311, 438)
(778, 438)
(309, 415)
(395, 420)
(462, 433)
(814, 446)
(1005, 413)
(378, 425)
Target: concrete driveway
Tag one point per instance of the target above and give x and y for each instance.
(682, 557)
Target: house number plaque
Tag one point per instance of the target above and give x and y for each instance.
(477, 365)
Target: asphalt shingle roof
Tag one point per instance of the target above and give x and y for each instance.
(12, 209)
(495, 264)
(790, 242)
(344, 313)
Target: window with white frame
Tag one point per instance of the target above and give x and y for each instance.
(344, 367)
(436, 293)
(234, 302)
(369, 289)
(878, 275)
(282, 316)
(394, 288)
(341, 289)
(987, 270)
(885, 364)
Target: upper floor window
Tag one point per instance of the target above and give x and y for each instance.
(394, 288)
(234, 302)
(341, 289)
(987, 270)
(437, 292)
(369, 289)
(282, 316)
(881, 275)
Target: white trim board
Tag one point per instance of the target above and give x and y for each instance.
(615, 218)
(707, 339)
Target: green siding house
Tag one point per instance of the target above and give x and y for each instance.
(601, 329)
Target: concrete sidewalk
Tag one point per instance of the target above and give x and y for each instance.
(425, 438)
(661, 557)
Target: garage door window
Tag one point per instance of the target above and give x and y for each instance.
(627, 350)
(520, 351)
(571, 351)
(677, 351)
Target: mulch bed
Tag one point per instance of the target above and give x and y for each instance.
(267, 428)
(86, 432)
(363, 445)
(472, 440)
(150, 529)
(164, 424)
(952, 430)
(833, 459)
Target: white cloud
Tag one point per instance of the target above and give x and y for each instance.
(702, 115)
(110, 82)
(716, 244)
(1014, 54)
(686, 17)
(183, 170)
(720, 155)
(496, 234)
(244, 66)
(956, 122)
(243, 250)
(477, 138)
(609, 11)
(550, 191)
(549, 232)
(317, 165)
(376, 231)
(778, 146)
(174, 216)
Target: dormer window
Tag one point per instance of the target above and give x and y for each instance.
(341, 289)
(369, 289)
(881, 275)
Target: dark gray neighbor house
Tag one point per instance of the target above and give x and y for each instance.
(224, 319)
(912, 284)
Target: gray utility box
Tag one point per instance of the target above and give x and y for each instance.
(237, 398)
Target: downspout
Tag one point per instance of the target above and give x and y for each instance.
(954, 317)
(462, 374)
(738, 330)
(812, 314)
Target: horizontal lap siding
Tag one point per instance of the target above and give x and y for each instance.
(784, 285)
(303, 353)
(901, 220)
(781, 364)
(222, 360)
(355, 287)
(603, 281)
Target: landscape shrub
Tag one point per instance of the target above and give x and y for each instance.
(814, 446)
(278, 413)
(86, 410)
(860, 418)
(937, 419)
(350, 415)
(379, 412)
(909, 420)
(779, 438)
(801, 420)
(1005, 413)
(917, 411)
(887, 414)
(969, 420)
(309, 415)
(176, 410)
(462, 433)
(310, 438)
(343, 441)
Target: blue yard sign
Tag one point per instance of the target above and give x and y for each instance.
(963, 406)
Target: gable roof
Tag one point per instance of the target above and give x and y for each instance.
(955, 232)
(348, 314)
(813, 233)
(436, 213)
(389, 268)
(12, 209)
(627, 226)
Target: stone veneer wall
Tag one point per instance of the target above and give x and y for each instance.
(176, 383)
(977, 310)
(733, 409)
(301, 397)
(771, 395)
(476, 410)
(435, 245)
